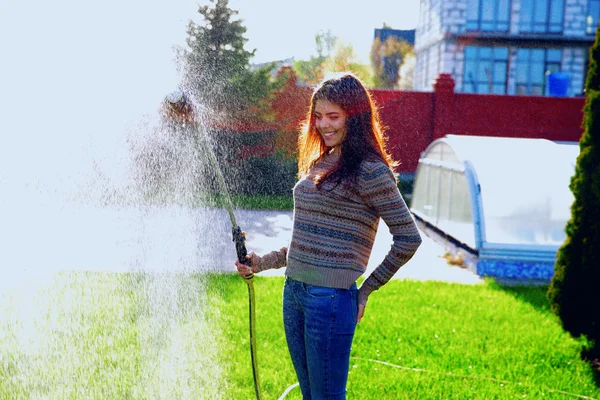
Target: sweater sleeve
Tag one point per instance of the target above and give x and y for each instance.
(274, 259)
(378, 188)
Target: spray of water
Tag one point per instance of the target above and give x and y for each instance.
(104, 232)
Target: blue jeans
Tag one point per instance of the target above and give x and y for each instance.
(319, 326)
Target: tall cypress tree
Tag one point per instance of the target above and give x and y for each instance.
(575, 287)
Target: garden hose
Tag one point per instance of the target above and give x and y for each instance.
(249, 281)
(180, 108)
(179, 105)
(239, 238)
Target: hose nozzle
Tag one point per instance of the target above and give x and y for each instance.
(179, 107)
(239, 238)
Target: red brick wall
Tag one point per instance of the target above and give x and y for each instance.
(415, 119)
(519, 116)
(408, 117)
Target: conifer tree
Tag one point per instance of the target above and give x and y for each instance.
(217, 66)
(575, 287)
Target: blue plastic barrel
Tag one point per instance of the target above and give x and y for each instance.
(558, 84)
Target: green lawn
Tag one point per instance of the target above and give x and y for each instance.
(185, 336)
(264, 202)
(257, 202)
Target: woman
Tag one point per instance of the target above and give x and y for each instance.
(345, 185)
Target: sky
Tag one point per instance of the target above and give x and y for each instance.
(74, 73)
(290, 31)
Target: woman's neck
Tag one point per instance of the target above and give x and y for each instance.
(333, 154)
(334, 151)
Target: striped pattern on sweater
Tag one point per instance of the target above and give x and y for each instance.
(335, 227)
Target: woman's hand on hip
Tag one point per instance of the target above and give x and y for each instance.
(251, 267)
(361, 312)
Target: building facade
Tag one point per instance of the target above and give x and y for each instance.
(505, 46)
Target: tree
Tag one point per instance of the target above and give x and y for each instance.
(332, 56)
(311, 71)
(325, 42)
(345, 59)
(386, 59)
(573, 292)
(407, 72)
(217, 67)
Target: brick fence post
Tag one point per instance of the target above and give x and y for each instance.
(443, 106)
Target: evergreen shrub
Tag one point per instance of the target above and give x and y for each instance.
(575, 286)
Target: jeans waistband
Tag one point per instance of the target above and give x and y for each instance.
(291, 280)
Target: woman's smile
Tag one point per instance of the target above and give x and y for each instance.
(330, 121)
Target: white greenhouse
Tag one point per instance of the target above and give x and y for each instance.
(502, 203)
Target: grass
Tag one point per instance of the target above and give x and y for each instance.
(254, 202)
(185, 336)
(282, 203)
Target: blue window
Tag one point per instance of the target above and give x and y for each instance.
(593, 14)
(486, 70)
(542, 16)
(488, 15)
(532, 67)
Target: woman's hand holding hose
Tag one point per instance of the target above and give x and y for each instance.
(250, 268)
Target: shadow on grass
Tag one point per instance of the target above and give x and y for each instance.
(591, 354)
(535, 295)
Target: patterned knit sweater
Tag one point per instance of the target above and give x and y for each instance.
(334, 229)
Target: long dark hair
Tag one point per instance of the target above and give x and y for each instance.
(364, 133)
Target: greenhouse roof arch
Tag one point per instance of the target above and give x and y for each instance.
(503, 202)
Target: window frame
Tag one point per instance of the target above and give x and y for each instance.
(479, 23)
(529, 27)
(478, 62)
(590, 24)
(528, 63)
